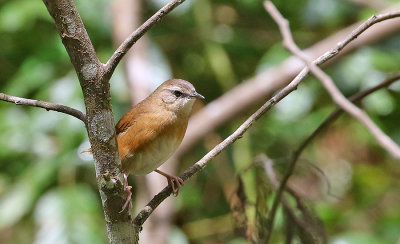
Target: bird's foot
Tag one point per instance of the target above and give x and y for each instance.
(127, 189)
(171, 180)
(128, 202)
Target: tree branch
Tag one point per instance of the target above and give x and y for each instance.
(337, 96)
(146, 211)
(100, 120)
(46, 105)
(157, 199)
(312, 227)
(255, 90)
(383, 139)
(330, 119)
(136, 35)
(355, 99)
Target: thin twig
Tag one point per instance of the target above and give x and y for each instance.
(314, 229)
(46, 105)
(368, 23)
(256, 89)
(146, 211)
(157, 199)
(136, 35)
(355, 99)
(337, 96)
(330, 119)
(383, 139)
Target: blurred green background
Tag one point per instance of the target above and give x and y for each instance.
(48, 191)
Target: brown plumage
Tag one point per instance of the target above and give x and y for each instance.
(153, 129)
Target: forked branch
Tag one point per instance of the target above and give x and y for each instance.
(146, 211)
(329, 120)
(136, 35)
(337, 96)
(383, 139)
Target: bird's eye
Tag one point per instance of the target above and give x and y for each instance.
(178, 93)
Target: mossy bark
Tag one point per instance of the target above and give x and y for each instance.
(99, 118)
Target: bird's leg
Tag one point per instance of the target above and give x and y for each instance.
(171, 179)
(127, 189)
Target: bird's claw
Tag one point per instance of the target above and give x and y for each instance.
(179, 182)
(171, 179)
(127, 189)
(128, 202)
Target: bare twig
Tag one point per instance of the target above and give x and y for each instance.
(157, 199)
(368, 23)
(267, 164)
(337, 96)
(46, 105)
(146, 211)
(330, 119)
(385, 141)
(355, 98)
(136, 35)
(311, 226)
(254, 90)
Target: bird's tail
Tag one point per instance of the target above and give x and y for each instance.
(87, 151)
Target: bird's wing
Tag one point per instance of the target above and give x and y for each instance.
(140, 134)
(127, 120)
(123, 126)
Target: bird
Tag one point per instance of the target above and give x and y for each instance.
(151, 131)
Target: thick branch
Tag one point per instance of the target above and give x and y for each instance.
(100, 119)
(136, 35)
(383, 139)
(157, 199)
(46, 105)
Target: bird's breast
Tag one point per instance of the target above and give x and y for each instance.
(145, 146)
(146, 161)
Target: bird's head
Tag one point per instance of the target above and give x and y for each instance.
(177, 95)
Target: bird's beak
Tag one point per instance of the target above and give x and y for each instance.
(197, 95)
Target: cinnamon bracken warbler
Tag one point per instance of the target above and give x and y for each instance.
(152, 130)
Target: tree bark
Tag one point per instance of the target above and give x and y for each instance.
(99, 119)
